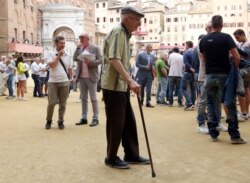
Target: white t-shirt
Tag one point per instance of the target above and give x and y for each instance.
(35, 68)
(176, 63)
(58, 74)
(42, 73)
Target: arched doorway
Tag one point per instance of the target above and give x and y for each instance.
(69, 36)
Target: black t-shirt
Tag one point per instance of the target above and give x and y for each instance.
(216, 46)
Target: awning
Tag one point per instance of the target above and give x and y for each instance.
(24, 48)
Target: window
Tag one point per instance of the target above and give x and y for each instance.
(150, 21)
(155, 38)
(104, 19)
(168, 20)
(15, 31)
(117, 11)
(175, 19)
(97, 20)
(176, 29)
(240, 7)
(111, 20)
(168, 29)
(145, 20)
(97, 5)
(103, 5)
(150, 31)
(240, 15)
(218, 8)
(31, 36)
(225, 8)
(240, 24)
(192, 38)
(183, 28)
(24, 3)
(118, 19)
(15, 1)
(24, 35)
(156, 30)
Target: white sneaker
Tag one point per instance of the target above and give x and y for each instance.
(221, 128)
(241, 117)
(19, 98)
(24, 99)
(202, 129)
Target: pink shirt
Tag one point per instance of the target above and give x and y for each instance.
(85, 69)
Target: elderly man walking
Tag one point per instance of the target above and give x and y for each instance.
(121, 124)
(88, 75)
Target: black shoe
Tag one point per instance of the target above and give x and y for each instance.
(116, 163)
(35, 96)
(48, 125)
(82, 122)
(140, 160)
(95, 122)
(42, 95)
(61, 126)
(149, 105)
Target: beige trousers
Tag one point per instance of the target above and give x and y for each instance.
(57, 93)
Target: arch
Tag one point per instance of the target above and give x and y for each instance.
(66, 32)
(66, 26)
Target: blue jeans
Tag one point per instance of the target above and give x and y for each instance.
(146, 83)
(214, 85)
(158, 92)
(188, 80)
(197, 84)
(163, 82)
(202, 104)
(174, 82)
(10, 86)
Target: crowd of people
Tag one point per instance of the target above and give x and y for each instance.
(215, 72)
(14, 75)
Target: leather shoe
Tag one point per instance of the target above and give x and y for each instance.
(82, 122)
(94, 122)
(149, 105)
(140, 160)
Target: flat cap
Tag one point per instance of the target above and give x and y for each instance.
(131, 10)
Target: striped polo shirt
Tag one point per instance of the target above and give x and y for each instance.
(116, 46)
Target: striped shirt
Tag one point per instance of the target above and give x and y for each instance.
(116, 46)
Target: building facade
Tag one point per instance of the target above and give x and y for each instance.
(18, 22)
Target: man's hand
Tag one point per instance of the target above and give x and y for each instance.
(79, 45)
(192, 70)
(148, 67)
(134, 86)
(61, 53)
(86, 61)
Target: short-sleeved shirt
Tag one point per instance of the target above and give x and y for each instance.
(216, 46)
(116, 46)
(58, 74)
(176, 63)
(246, 48)
(43, 74)
(159, 65)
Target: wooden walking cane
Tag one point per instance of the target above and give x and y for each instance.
(146, 136)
